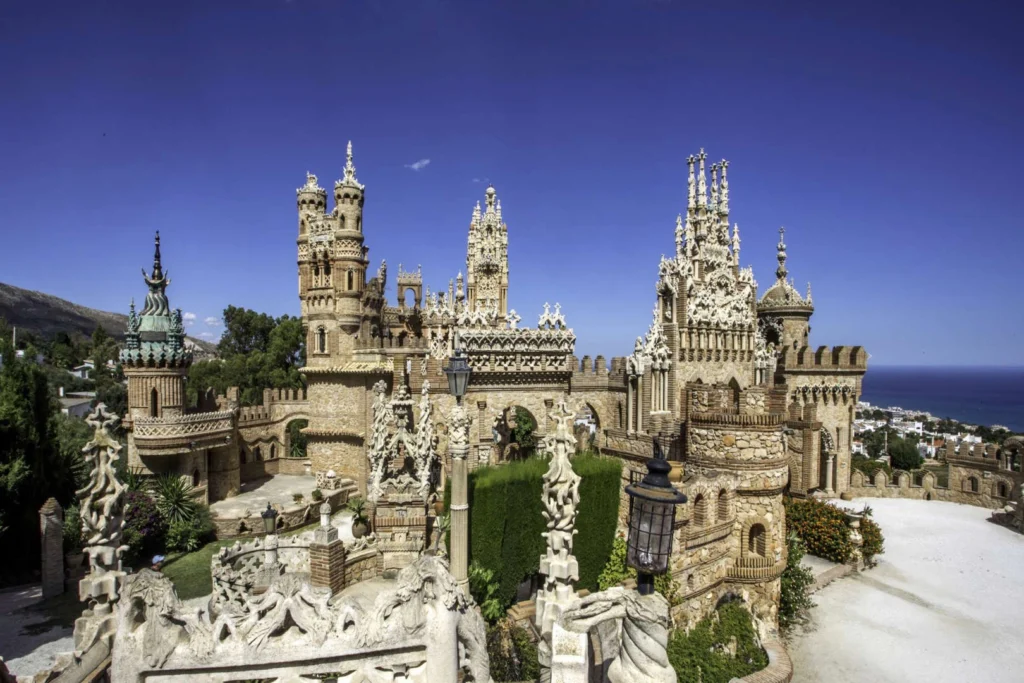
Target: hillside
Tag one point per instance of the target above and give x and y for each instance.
(47, 315)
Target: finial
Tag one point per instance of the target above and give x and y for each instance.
(702, 185)
(781, 271)
(808, 292)
(490, 198)
(714, 187)
(691, 184)
(497, 210)
(157, 268)
(476, 213)
(350, 169)
(723, 189)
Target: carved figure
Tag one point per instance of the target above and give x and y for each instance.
(643, 624)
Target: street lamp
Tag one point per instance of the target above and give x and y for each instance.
(458, 372)
(269, 519)
(652, 512)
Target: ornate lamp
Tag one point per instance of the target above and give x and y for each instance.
(458, 372)
(652, 513)
(269, 519)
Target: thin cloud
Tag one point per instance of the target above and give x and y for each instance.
(477, 180)
(208, 336)
(213, 322)
(418, 165)
(189, 319)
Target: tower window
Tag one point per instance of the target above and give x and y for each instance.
(154, 402)
(321, 340)
(756, 540)
(351, 280)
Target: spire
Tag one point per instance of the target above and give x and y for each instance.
(691, 186)
(476, 214)
(702, 185)
(350, 170)
(723, 190)
(497, 210)
(781, 271)
(158, 271)
(490, 198)
(680, 236)
(808, 292)
(736, 242)
(714, 187)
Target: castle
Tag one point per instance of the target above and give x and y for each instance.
(723, 382)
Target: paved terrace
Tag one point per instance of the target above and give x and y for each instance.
(943, 604)
(255, 495)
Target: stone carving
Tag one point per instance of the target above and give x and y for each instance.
(827, 445)
(458, 431)
(552, 321)
(101, 503)
(414, 448)
(155, 631)
(643, 629)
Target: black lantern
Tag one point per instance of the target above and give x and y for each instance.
(269, 519)
(652, 513)
(458, 371)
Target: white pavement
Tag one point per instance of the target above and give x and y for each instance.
(29, 641)
(254, 495)
(943, 605)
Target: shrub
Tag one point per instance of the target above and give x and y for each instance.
(704, 654)
(821, 527)
(506, 522)
(297, 497)
(513, 655)
(796, 583)
(869, 465)
(174, 498)
(72, 529)
(317, 495)
(144, 526)
(357, 506)
(874, 542)
(187, 536)
(616, 571)
(484, 590)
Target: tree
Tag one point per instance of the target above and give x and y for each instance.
(904, 454)
(245, 331)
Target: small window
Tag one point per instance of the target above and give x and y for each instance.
(1001, 489)
(321, 340)
(351, 281)
(756, 540)
(195, 477)
(700, 510)
(723, 505)
(154, 403)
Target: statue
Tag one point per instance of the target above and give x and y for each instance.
(643, 626)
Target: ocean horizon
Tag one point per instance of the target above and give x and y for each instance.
(981, 395)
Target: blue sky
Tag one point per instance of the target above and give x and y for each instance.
(886, 138)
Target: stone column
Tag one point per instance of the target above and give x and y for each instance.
(829, 464)
(639, 403)
(629, 405)
(458, 444)
(51, 527)
(327, 554)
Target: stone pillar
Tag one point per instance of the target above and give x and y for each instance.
(459, 447)
(856, 557)
(629, 405)
(51, 527)
(327, 554)
(570, 656)
(829, 464)
(639, 403)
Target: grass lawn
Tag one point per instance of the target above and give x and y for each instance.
(190, 572)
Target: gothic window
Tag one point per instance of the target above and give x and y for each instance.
(154, 402)
(321, 340)
(195, 477)
(342, 221)
(756, 540)
(351, 280)
(359, 223)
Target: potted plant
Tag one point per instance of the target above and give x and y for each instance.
(360, 523)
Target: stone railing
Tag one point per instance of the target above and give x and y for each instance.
(157, 435)
(702, 535)
(749, 569)
(740, 420)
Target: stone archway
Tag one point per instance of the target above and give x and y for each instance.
(514, 431)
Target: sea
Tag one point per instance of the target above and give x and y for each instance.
(975, 395)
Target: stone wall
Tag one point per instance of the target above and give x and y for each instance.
(924, 486)
(295, 515)
(363, 565)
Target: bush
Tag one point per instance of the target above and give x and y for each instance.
(506, 522)
(144, 527)
(513, 655)
(616, 571)
(174, 498)
(869, 465)
(484, 590)
(297, 497)
(317, 495)
(187, 536)
(874, 542)
(796, 583)
(72, 529)
(821, 527)
(703, 654)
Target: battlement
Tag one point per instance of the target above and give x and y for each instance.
(824, 358)
(271, 397)
(587, 366)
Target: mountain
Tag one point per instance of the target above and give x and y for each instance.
(46, 315)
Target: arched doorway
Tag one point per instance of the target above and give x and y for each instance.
(295, 444)
(513, 433)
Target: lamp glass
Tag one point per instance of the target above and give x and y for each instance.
(269, 519)
(458, 372)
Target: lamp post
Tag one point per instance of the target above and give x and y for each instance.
(270, 540)
(458, 372)
(652, 513)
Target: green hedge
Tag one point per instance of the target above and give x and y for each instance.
(505, 521)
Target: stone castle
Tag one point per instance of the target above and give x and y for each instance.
(723, 382)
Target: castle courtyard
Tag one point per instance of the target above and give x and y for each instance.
(940, 606)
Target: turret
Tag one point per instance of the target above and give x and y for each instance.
(487, 256)
(310, 199)
(348, 197)
(783, 303)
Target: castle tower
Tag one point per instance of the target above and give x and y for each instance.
(487, 257)
(154, 358)
(783, 305)
(332, 265)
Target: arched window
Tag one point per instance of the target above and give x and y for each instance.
(195, 477)
(342, 221)
(700, 510)
(154, 402)
(273, 451)
(723, 505)
(256, 455)
(321, 340)
(971, 484)
(1001, 489)
(756, 540)
(351, 281)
